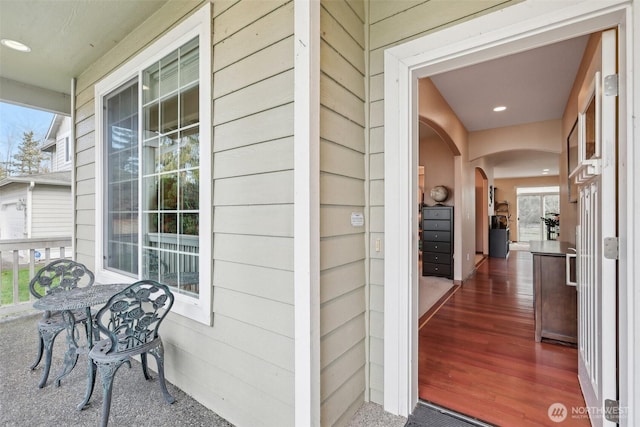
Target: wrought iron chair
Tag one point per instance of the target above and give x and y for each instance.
(57, 276)
(131, 319)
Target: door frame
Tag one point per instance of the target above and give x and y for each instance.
(530, 24)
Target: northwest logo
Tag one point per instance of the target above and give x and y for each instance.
(557, 412)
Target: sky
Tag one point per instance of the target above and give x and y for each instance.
(14, 121)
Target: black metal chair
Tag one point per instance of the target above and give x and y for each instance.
(131, 319)
(57, 276)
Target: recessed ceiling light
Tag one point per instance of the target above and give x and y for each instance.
(545, 170)
(12, 44)
(499, 108)
(545, 173)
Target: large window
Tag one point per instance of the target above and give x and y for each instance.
(155, 194)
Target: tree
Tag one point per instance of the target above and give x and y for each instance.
(29, 158)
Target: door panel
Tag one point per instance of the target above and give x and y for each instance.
(597, 282)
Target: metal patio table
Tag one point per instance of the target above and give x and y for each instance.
(75, 299)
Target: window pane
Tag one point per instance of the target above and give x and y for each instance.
(169, 73)
(171, 172)
(121, 145)
(169, 114)
(189, 106)
(151, 85)
(190, 148)
(169, 192)
(189, 63)
(189, 190)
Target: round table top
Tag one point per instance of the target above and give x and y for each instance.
(78, 297)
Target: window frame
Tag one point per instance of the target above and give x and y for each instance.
(196, 25)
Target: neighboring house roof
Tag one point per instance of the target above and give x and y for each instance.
(53, 178)
(50, 139)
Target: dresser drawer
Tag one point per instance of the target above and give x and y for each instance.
(436, 236)
(432, 224)
(436, 269)
(436, 247)
(436, 258)
(437, 214)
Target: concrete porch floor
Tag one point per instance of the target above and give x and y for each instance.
(135, 401)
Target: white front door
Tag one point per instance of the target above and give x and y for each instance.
(597, 281)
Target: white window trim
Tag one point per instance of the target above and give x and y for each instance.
(510, 30)
(198, 24)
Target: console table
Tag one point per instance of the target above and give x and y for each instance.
(555, 297)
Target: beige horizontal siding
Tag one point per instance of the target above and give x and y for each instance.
(51, 211)
(264, 157)
(257, 35)
(256, 128)
(342, 250)
(273, 284)
(259, 220)
(341, 130)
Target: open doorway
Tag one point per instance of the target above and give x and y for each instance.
(538, 211)
(444, 51)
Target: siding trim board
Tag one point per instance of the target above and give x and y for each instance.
(530, 24)
(307, 213)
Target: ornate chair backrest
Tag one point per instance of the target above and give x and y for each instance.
(60, 275)
(131, 317)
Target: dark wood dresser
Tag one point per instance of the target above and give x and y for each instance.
(437, 241)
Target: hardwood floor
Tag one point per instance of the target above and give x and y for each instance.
(478, 356)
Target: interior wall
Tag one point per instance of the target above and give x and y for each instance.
(540, 136)
(438, 161)
(506, 191)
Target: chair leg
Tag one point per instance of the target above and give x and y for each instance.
(107, 372)
(40, 350)
(145, 367)
(158, 353)
(48, 338)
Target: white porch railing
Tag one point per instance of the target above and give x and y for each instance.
(19, 254)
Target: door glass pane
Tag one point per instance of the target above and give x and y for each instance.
(529, 213)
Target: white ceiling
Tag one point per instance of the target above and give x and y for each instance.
(533, 85)
(65, 37)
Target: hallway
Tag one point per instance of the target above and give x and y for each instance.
(478, 356)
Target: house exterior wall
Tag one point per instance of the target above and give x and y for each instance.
(392, 23)
(52, 211)
(342, 192)
(246, 358)
(13, 222)
(58, 162)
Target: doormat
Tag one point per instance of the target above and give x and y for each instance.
(429, 415)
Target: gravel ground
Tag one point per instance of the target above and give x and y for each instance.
(135, 402)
